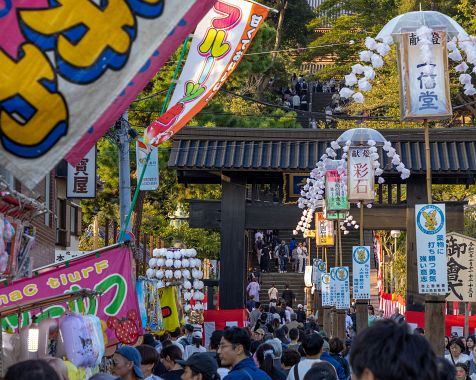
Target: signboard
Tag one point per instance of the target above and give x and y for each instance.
(308, 276)
(324, 231)
(81, 180)
(220, 42)
(74, 67)
(62, 256)
(424, 87)
(109, 272)
(326, 289)
(332, 272)
(361, 176)
(361, 272)
(342, 288)
(336, 192)
(460, 251)
(431, 249)
(151, 175)
(318, 269)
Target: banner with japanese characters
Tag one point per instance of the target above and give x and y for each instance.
(431, 249)
(219, 43)
(318, 269)
(324, 231)
(150, 181)
(361, 272)
(81, 178)
(460, 252)
(424, 85)
(326, 289)
(336, 192)
(361, 175)
(332, 273)
(341, 288)
(71, 68)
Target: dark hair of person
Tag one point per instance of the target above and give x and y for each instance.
(321, 371)
(215, 339)
(205, 375)
(419, 330)
(236, 335)
(176, 333)
(465, 368)
(149, 340)
(265, 308)
(281, 335)
(166, 343)
(197, 341)
(312, 344)
(473, 338)
(301, 351)
(164, 337)
(294, 334)
(335, 346)
(371, 309)
(391, 352)
(257, 305)
(265, 356)
(458, 342)
(148, 354)
(290, 357)
(172, 351)
(31, 369)
(446, 370)
(272, 309)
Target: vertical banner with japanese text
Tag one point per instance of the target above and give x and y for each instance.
(71, 68)
(332, 273)
(360, 175)
(318, 270)
(342, 288)
(431, 249)
(336, 192)
(326, 289)
(460, 251)
(219, 44)
(81, 178)
(424, 91)
(324, 231)
(150, 181)
(361, 272)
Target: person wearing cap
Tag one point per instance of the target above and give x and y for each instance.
(196, 345)
(199, 366)
(126, 363)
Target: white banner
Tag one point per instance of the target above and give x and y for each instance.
(81, 179)
(342, 288)
(61, 255)
(361, 175)
(425, 86)
(318, 269)
(151, 175)
(332, 272)
(326, 289)
(461, 255)
(361, 272)
(431, 249)
(308, 276)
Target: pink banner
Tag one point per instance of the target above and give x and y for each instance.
(109, 272)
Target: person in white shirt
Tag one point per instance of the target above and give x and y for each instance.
(312, 346)
(456, 352)
(296, 101)
(196, 345)
(273, 293)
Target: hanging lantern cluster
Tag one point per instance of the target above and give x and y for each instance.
(348, 224)
(179, 265)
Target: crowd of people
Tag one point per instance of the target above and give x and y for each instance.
(268, 247)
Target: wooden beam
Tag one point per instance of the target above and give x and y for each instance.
(232, 247)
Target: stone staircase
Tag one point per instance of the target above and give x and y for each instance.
(296, 280)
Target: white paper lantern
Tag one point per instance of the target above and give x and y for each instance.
(150, 273)
(187, 308)
(169, 255)
(185, 263)
(197, 296)
(152, 263)
(187, 296)
(186, 273)
(177, 264)
(178, 254)
(160, 284)
(178, 274)
(162, 252)
(159, 274)
(156, 252)
(169, 273)
(160, 262)
(198, 274)
(198, 284)
(191, 263)
(169, 263)
(187, 285)
(193, 252)
(198, 262)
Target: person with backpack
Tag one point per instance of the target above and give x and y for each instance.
(282, 252)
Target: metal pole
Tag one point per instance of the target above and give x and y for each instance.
(124, 172)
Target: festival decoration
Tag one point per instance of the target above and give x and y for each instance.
(219, 44)
(48, 337)
(73, 69)
(126, 329)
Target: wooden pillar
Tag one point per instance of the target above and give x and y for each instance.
(362, 315)
(416, 194)
(340, 325)
(318, 307)
(333, 322)
(326, 319)
(106, 232)
(232, 248)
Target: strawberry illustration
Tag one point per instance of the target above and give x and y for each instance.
(126, 330)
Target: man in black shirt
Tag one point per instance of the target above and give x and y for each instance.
(288, 296)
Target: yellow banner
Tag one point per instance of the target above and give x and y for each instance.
(170, 308)
(324, 231)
